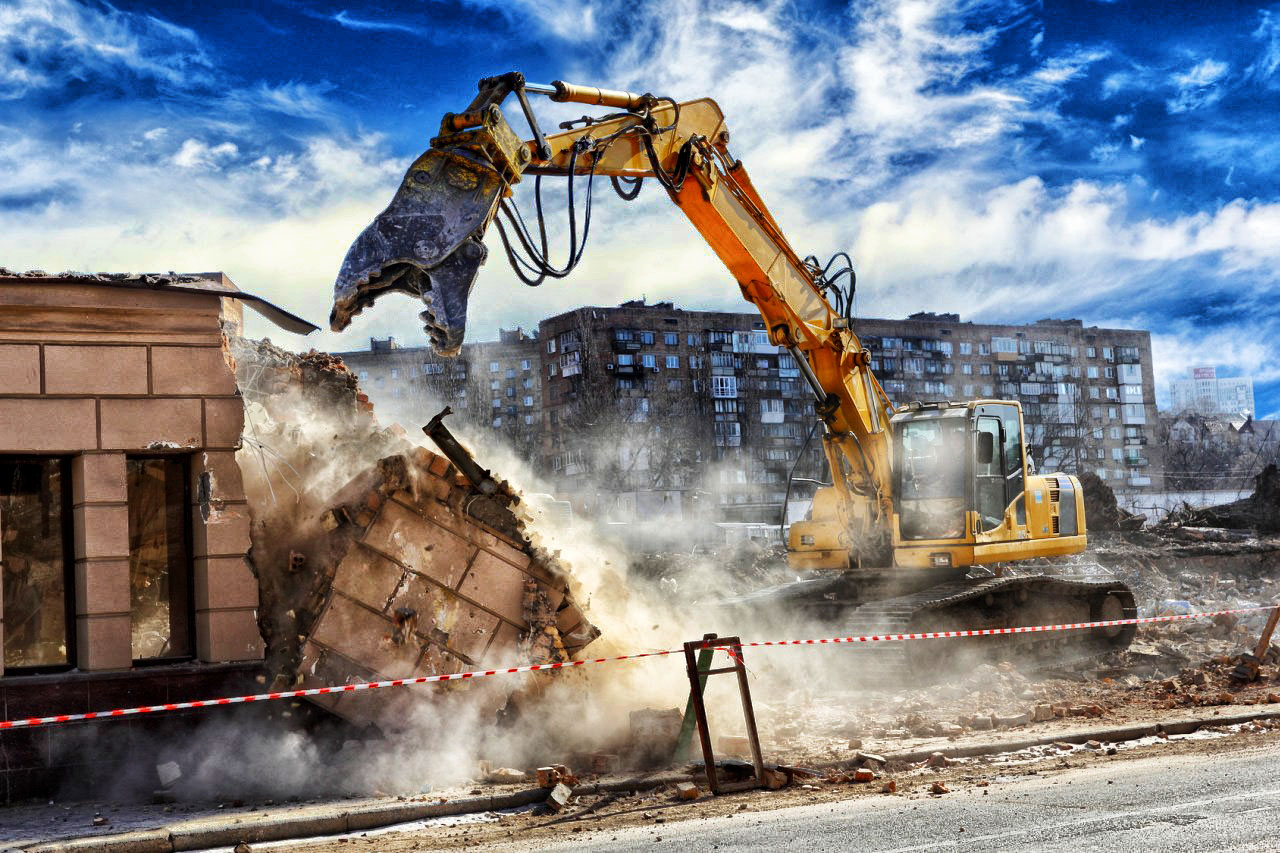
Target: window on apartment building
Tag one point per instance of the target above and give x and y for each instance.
(364, 376)
(497, 422)
(1042, 347)
(1004, 370)
(495, 384)
(695, 362)
(551, 345)
(1111, 394)
(162, 604)
(674, 385)
(770, 405)
(671, 339)
(494, 367)
(984, 369)
(35, 519)
(1109, 372)
(913, 365)
(649, 360)
(693, 339)
(1095, 412)
(626, 384)
(968, 390)
(1094, 393)
(432, 369)
(1107, 354)
(984, 349)
(966, 369)
(511, 392)
(966, 348)
(673, 362)
(497, 402)
(1004, 345)
(724, 386)
(528, 420)
(988, 390)
(1127, 353)
(511, 373)
(1092, 352)
(526, 383)
(1111, 412)
(395, 373)
(528, 402)
(551, 369)
(1092, 372)
(646, 338)
(524, 364)
(626, 360)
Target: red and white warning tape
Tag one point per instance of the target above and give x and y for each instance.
(30, 722)
(313, 691)
(991, 632)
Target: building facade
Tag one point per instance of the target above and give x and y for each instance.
(1205, 393)
(124, 528)
(650, 411)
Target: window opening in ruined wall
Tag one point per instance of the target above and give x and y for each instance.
(35, 517)
(159, 558)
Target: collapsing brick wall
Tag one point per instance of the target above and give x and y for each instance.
(375, 558)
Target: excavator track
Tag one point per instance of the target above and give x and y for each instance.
(1000, 602)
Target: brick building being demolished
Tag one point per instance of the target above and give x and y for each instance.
(150, 556)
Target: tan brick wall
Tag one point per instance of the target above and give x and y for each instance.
(98, 373)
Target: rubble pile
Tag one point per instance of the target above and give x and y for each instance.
(376, 559)
(1260, 511)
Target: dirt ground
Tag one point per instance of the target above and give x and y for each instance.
(663, 806)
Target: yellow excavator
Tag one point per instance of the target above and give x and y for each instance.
(930, 502)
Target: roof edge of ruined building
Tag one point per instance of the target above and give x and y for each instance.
(196, 283)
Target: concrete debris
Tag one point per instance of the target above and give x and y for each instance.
(391, 565)
(688, 791)
(937, 760)
(654, 733)
(775, 779)
(733, 745)
(506, 776)
(889, 787)
(559, 797)
(168, 773)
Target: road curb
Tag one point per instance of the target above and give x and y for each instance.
(1113, 734)
(229, 830)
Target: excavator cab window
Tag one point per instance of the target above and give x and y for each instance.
(931, 486)
(999, 476)
(989, 473)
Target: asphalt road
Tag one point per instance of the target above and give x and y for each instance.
(1223, 801)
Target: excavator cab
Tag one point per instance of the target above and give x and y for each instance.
(963, 494)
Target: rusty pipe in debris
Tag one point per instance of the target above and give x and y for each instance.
(459, 455)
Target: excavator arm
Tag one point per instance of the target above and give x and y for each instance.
(428, 243)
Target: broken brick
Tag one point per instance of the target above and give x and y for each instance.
(937, 788)
(889, 787)
(688, 791)
(863, 774)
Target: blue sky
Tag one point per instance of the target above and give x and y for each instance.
(1113, 161)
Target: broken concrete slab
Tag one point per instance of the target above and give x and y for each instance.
(376, 559)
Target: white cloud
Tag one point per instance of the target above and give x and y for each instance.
(45, 44)
(1136, 142)
(1197, 87)
(195, 154)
